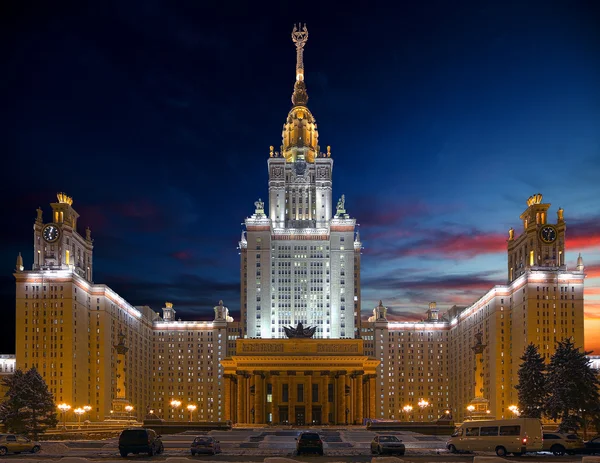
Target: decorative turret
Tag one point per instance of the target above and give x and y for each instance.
(580, 266)
(168, 312)
(20, 267)
(433, 312)
(541, 244)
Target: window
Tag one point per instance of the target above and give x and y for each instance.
(300, 392)
(489, 431)
(315, 392)
(511, 430)
(284, 392)
(472, 432)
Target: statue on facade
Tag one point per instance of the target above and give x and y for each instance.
(341, 203)
(299, 331)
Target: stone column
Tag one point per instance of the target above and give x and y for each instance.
(349, 401)
(365, 381)
(241, 395)
(326, 405)
(276, 386)
(227, 397)
(359, 400)
(341, 399)
(372, 397)
(291, 398)
(308, 398)
(258, 398)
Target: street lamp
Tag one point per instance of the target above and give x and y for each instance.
(79, 411)
(422, 404)
(87, 409)
(191, 408)
(128, 409)
(471, 408)
(515, 410)
(407, 409)
(175, 404)
(64, 408)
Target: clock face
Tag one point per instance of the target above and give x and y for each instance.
(50, 233)
(548, 234)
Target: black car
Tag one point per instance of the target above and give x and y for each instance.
(592, 446)
(140, 440)
(309, 442)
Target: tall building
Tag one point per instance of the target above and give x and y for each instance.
(301, 261)
(299, 264)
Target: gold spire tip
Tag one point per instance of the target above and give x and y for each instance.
(63, 198)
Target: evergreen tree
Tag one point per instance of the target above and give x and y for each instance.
(532, 383)
(29, 406)
(572, 388)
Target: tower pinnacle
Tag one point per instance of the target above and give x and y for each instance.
(300, 37)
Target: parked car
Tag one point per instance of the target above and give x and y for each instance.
(516, 436)
(15, 443)
(309, 442)
(559, 444)
(387, 444)
(592, 446)
(140, 440)
(205, 444)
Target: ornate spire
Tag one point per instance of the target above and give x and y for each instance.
(300, 37)
(20, 267)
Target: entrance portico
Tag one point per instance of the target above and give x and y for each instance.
(299, 381)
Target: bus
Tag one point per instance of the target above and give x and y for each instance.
(516, 436)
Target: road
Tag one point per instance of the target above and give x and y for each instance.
(254, 445)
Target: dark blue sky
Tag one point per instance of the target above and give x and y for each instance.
(443, 117)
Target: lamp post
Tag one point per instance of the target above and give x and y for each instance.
(128, 409)
(422, 404)
(191, 408)
(175, 404)
(407, 409)
(515, 410)
(87, 409)
(64, 408)
(471, 408)
(79, 411)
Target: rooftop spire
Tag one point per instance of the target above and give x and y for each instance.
(299, 37)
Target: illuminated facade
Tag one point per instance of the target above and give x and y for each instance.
(301, 262)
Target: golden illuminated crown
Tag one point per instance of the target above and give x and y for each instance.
(535, 199)
(169, 305)
(64, 199)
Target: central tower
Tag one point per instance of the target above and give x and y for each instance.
(301, 263)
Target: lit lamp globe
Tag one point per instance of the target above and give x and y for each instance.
(64, 408)
(128, 409)
(175, 404)
(191, 408)
(79, 411)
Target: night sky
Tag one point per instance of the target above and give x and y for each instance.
(443, 118)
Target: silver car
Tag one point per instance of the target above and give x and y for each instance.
(387, 444)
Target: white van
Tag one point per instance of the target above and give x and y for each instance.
(515, 436)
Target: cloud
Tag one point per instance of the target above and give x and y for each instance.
(583, 234)
(194, 294)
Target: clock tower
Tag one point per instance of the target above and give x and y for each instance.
(57, 244)
(541, 245)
